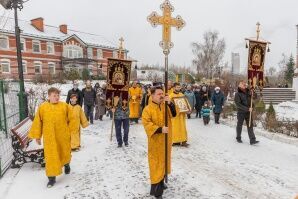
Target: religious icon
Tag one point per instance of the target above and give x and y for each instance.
(256, 59)
(182, 104)
(118, 77)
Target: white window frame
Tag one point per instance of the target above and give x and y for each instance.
(74, 50)
(25, 67)
(54, 64)
(7, 39)
(23, 41)
(34, 64)
(53, 48)
(9, 66)
(99, 54)
(39, 43)
(90, 53)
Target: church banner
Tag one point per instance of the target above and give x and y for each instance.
(256, 61)
(118, 78)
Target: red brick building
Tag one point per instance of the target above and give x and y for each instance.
(49, 51)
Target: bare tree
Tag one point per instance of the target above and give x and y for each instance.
(209, 53)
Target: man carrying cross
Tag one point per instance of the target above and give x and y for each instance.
(153, 119)
(150, 119)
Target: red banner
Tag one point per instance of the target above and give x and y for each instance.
(256, 61)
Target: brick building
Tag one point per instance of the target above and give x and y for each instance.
(49, 51)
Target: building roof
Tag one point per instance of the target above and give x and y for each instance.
(53, 33)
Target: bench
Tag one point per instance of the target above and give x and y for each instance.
(25, 150)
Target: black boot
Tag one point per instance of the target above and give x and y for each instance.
(157, 190)
(253, 142)
(52, 181)
(67, 169)
(239, 141)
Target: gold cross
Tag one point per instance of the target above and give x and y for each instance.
(121, 47)
(167, 23)
(258, 30)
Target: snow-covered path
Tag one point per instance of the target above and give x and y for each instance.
(214, 166)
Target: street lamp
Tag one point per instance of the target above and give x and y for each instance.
(15, 5)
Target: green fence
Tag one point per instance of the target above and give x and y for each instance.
(9, 117)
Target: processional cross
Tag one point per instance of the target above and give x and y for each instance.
(167, 22)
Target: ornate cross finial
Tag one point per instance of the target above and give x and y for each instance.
(167, 23)
(121, 47)
(258, 30)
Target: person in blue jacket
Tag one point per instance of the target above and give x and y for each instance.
(205, 112)
(218, 100)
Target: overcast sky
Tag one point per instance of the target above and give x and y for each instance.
(234, 19)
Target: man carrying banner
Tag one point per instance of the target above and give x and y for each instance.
(153, 119)
(243, 100)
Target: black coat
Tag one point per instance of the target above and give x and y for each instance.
(243, 101)
(79, 96)
(218, 100)
(198, 99)
(89, 96)
(204, 96)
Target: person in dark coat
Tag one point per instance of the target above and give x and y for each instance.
(146, 96)
(243, 102)
(100, 104)
(89, 97)
(218, 101)
(75, 90)
(204, 96)
(189, 94)
(96, 87)
(198, 101)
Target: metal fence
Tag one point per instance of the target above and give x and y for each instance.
(9, 117)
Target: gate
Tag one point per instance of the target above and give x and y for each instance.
(9, 117)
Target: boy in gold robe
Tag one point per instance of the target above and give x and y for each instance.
(153, 119)
(51, 123)
(135, 96)
(77, 118)
(179, 122)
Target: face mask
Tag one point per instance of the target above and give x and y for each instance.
(217, 91)
(75, 87)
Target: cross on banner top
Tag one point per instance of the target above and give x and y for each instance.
(258, 30)
(121, 47)
(167, 23)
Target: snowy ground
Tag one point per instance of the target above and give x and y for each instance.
(214, 166)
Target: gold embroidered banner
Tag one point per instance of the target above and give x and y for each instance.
(118, 78)
(256, 61)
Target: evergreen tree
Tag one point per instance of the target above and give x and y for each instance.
(86, 74)
(289, 72)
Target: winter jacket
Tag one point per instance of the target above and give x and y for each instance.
(217, 100)
(204, 98)
(205, 111)
(198, 100)
(78, 93)
(120, 113)
(243, 101)
(191, 98)
(89, 96)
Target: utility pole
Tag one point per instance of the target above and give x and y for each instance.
(23, 103)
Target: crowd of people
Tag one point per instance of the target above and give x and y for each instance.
(59, 123)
